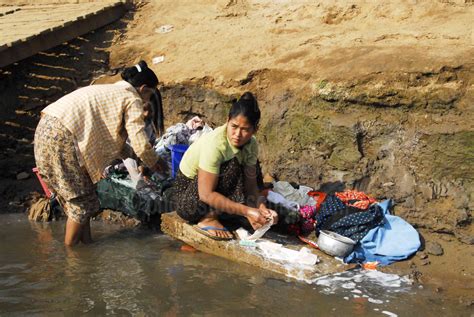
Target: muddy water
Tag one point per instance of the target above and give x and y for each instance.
(138, 272)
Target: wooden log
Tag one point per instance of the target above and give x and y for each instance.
(177, 228)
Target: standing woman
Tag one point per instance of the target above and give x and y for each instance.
(79, 134)
(217, 174)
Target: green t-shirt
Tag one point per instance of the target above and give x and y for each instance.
(213, 149)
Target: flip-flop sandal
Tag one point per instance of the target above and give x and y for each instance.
(205, 231)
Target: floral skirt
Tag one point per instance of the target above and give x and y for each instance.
(58, 165)
(230, 184)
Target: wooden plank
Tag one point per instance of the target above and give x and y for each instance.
(177, 228)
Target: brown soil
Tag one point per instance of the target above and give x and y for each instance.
(367, 95)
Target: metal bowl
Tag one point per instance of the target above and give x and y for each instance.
(334, 244)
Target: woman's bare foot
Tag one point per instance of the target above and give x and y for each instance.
(210, 220)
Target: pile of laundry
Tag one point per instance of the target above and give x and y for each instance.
(125, 189)
(180, 133)
(380, 237)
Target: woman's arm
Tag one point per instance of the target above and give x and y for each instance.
(253, 194)
(207, 183)
(135, 127)
(250, 187)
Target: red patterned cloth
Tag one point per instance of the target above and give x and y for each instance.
(307, 216)
(356, 199)
(307, 222)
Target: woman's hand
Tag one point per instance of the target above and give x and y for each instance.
(268, 213)
(256, 218)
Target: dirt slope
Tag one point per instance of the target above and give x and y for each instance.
(323, 40)
(355, 94)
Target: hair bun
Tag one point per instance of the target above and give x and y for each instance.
(246, 106)
(139, 75)
(142, 64)
(248, 96)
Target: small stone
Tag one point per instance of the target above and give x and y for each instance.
(422, 255)
(426, 191)
(462, 217)
(434, 248)
(425, 262)
(409, 202)
(464, 238)
(467, 302)
(388, 184)
(446, 237)
(15, 204)
(22, 176)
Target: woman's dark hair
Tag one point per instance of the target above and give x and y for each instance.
(246, 106)
(139, 75)
(157, 112)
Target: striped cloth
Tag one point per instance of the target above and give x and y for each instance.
(101, 117)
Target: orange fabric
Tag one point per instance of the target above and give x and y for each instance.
(363, 200)
(370, 265)
(187, 248)
(319, 197)
(308, 242)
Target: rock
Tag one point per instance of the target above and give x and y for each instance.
(112, 216)
(22, 176)
(462, 217)
(464, 238)
(422, 255)
(434, 248)
(406, 183)
(425, 262)
(462, 202)
(466, 302)
(426, 191)
(446, 237)
(409, 202)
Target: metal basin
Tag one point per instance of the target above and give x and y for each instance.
(334, 244)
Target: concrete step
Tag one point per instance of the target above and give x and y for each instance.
(27, 30)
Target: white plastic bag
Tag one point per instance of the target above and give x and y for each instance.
(196, 135)
(135, 175)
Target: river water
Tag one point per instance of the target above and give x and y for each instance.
(141, 272)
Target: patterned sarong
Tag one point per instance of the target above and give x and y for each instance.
(58, 164)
